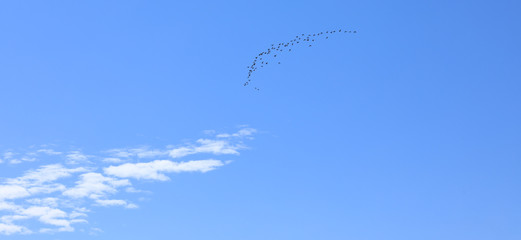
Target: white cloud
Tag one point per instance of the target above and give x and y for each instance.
(51, 230)
(28, 159)
(155, 170)
(8, 229)
(112, 160)
(217, 147)
(141, 152)
(209, 132)
(95, 185)
(49, 201)
(11, 218)
(76, 157)
(39, 181)
(79, 221)
(111, 202)
(181, 152)
(46, 189)
(146, 153)
(95, 231)
(12, 192)
(44, 214)
(48, 215)
(115, 202)
(45, 174)
(241, 133)
(49, 152)
(120, 153)
(15, 161)
(57, 197)
(9, 155)
(78, 213)
(7, 206)
(131, 206)
(133, 190)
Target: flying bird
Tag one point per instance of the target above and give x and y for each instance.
(280, 46)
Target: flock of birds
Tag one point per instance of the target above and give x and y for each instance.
(303, 39)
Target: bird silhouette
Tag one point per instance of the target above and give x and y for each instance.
(310, 37)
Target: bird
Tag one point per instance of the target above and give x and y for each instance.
(263, 56)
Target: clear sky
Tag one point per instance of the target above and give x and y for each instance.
(129, 120)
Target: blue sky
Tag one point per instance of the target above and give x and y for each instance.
(128, 120)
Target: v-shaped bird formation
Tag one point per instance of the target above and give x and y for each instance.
(270, 55)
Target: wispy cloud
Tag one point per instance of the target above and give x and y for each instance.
(9, 228)
(48, 152)
(57, 197)
(156, 170)
(245, 132)
(140, 152)
(9, 155)
(95, 186)
(113, 160)
(76, 157)
(115, 202)
(211, 146)
(12, 192)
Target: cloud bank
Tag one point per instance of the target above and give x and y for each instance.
(57, 196)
